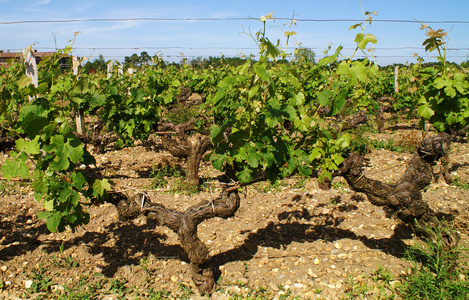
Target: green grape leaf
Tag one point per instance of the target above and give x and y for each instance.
(101, 186)
(53, 221)
(97, 99)
(261, 72)
(65, 152)
(48, 205)
(16, 167)
(354, 26)
(425, 111)
(112, 89)
(324, 97)
(252, 159)
(43, 215)
(299, 99)
(217, 161)
(244, 176)
(29, 147)
(362, 40)
(359, 70)
(330, 59)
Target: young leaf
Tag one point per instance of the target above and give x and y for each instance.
(425, 111)
(53, 221)
(355, 26)
(65, 152)
(29, 147)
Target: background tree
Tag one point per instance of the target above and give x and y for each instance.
(99, 65)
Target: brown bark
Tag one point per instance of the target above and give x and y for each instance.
(351, 122)
(185, 225)
(180, 146)
(193, 161)
(404, 197)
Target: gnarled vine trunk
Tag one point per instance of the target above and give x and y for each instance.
(180, 146)
(185, 225)
(404, 197)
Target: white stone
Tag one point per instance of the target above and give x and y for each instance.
(28, 284)
(342, 255)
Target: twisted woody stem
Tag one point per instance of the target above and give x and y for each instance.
(185, 225)
(405, 197)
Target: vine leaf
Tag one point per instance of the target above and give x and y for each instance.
(66, 152)
(101, 186)
(425, 111)
(16, 168)
(29, 147)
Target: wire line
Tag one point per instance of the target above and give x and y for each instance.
(223, 19)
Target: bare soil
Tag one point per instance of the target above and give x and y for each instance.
(293, 235)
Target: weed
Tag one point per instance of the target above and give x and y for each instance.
(178, 183)
(459, 184)
(285, 293)
(182, 114)
(435, 274)
(186, 291)
(363, 144)
(339, 185)
(382, 274)
(160, 175)
(245, 269)
(41, 283)
(64, 262)
(157, 295)
(118, 287)
(356, 290)
(389, 145)
(11, 188)
(144, 264)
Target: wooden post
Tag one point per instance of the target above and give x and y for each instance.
(396, 77)
(110, 67)
(30, 64)
(79, 118)
(75, 64)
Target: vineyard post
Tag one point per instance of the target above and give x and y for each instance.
(31, 67)
(79, 119)
(110, 65)
(396, 78)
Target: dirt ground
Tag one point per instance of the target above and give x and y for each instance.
(291, 236)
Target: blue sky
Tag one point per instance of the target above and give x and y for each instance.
(213, 38)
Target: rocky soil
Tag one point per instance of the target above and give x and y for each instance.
(290, 236)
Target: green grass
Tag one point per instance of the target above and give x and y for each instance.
(460, 184)
(437, 271)
(173, 178)
(363, 144)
